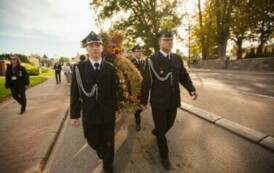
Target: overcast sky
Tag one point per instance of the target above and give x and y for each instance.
(51, 27)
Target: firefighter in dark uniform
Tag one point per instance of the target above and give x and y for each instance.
(163, 73)
(139, 64)
(17, 79)
(93, 91)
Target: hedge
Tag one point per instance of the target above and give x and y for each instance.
(32, 70)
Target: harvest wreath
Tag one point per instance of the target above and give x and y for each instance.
(128, 78)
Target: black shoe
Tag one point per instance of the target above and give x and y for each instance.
(153, 132)
(166, 163)
(138, 127)
(22, 111)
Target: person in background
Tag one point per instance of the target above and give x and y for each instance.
(68, 71)
(17, 79)
(57, 68)
(140, 65)
(82, 58)
(129, 54)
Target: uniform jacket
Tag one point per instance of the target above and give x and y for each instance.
(164, 94)
(94, 111)
(140, 66)
(21, 75)
(57, 67)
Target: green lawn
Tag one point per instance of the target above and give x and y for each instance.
(6, 92)
(49, 73)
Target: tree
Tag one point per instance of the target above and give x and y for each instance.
(240, 25)
(145, 18)
(204, 51)
(207, 30)
(64, 59)
(37, 56)
(223, 10)
(22, 57)
(262, 20)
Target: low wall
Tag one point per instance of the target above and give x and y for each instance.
(258, 64)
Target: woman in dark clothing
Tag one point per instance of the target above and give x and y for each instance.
(17, 80)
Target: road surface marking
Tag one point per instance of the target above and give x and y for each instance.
(259, 95)
(81, 149)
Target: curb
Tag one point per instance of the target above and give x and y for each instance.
(44, 149)
(257, 137)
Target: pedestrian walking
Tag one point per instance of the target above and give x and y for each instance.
(68, 71)
(139, 64)
(93, 91)
(17, 79)
(163, 72)
(57, 68)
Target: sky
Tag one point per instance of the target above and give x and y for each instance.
(51, 27)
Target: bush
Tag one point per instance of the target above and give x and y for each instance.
(22, 57)
(44, 70)
(31, 70)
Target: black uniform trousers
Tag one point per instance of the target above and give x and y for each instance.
(163, 121)
(58, 76)
(137, 115)
(19, 94)
(100, 137)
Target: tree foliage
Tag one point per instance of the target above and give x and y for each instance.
(238, 20)
(22, 57)
(141, 19)
(262, 20)
(240, 25)
(37, 56)
(209, 34)
(64, 59)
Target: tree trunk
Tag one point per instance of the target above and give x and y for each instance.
(239, 48)
(260, 49)
(222, 20)
(204, 54)
(221, 50)
(261, 45)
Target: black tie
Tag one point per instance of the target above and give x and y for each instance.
(96, 66)
(168, 57)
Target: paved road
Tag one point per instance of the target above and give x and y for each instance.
(243, 98)
(258, 84)
(195, 146)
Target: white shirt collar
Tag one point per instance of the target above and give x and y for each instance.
(93, 62)
(165, 54)
(138, 60)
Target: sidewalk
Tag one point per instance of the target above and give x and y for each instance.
(22, 135)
